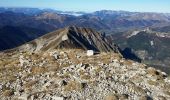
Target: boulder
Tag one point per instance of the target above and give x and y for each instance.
(90, 52)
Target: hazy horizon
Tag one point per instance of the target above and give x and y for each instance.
(84, 11)
(91, 6)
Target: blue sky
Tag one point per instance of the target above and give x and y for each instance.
(93, 5)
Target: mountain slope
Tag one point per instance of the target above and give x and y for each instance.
(73, 75)
(165, 29)
(151, 47)
(72, 37)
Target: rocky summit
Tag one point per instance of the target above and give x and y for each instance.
(69, 74)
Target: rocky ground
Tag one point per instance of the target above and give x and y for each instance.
(72, 75)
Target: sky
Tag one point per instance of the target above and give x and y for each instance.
(93, 5)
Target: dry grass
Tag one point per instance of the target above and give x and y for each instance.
(5, 62)
(30, 84)
(128, 62)
(72, 56)
(53, 68)
(81, 72)
(116, 56)
(38, 70)
(167, 92)
(123, 97)
(139, 90)
(136, 79)
(73, 85)
(66, 75)
(8, 73)
(86, 77)
(111, 97)
(98, 69)
(8, 93)
(35, 56)
(65, 65)
(151, 82)
(152, 71)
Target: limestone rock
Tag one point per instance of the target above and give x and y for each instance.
(57, 98)
(90, 52)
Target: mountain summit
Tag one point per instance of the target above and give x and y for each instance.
(72, 37)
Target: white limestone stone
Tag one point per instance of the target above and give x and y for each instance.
(22, 60)
(90, 52)
(23, 97)
(57, 98)
(56, 56)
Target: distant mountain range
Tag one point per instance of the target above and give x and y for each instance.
(105, 21)
(34, 11)
(20, 25)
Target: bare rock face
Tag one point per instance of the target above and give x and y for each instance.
(72, 37)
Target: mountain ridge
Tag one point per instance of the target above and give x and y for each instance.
(104, 21)
(72, 37)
